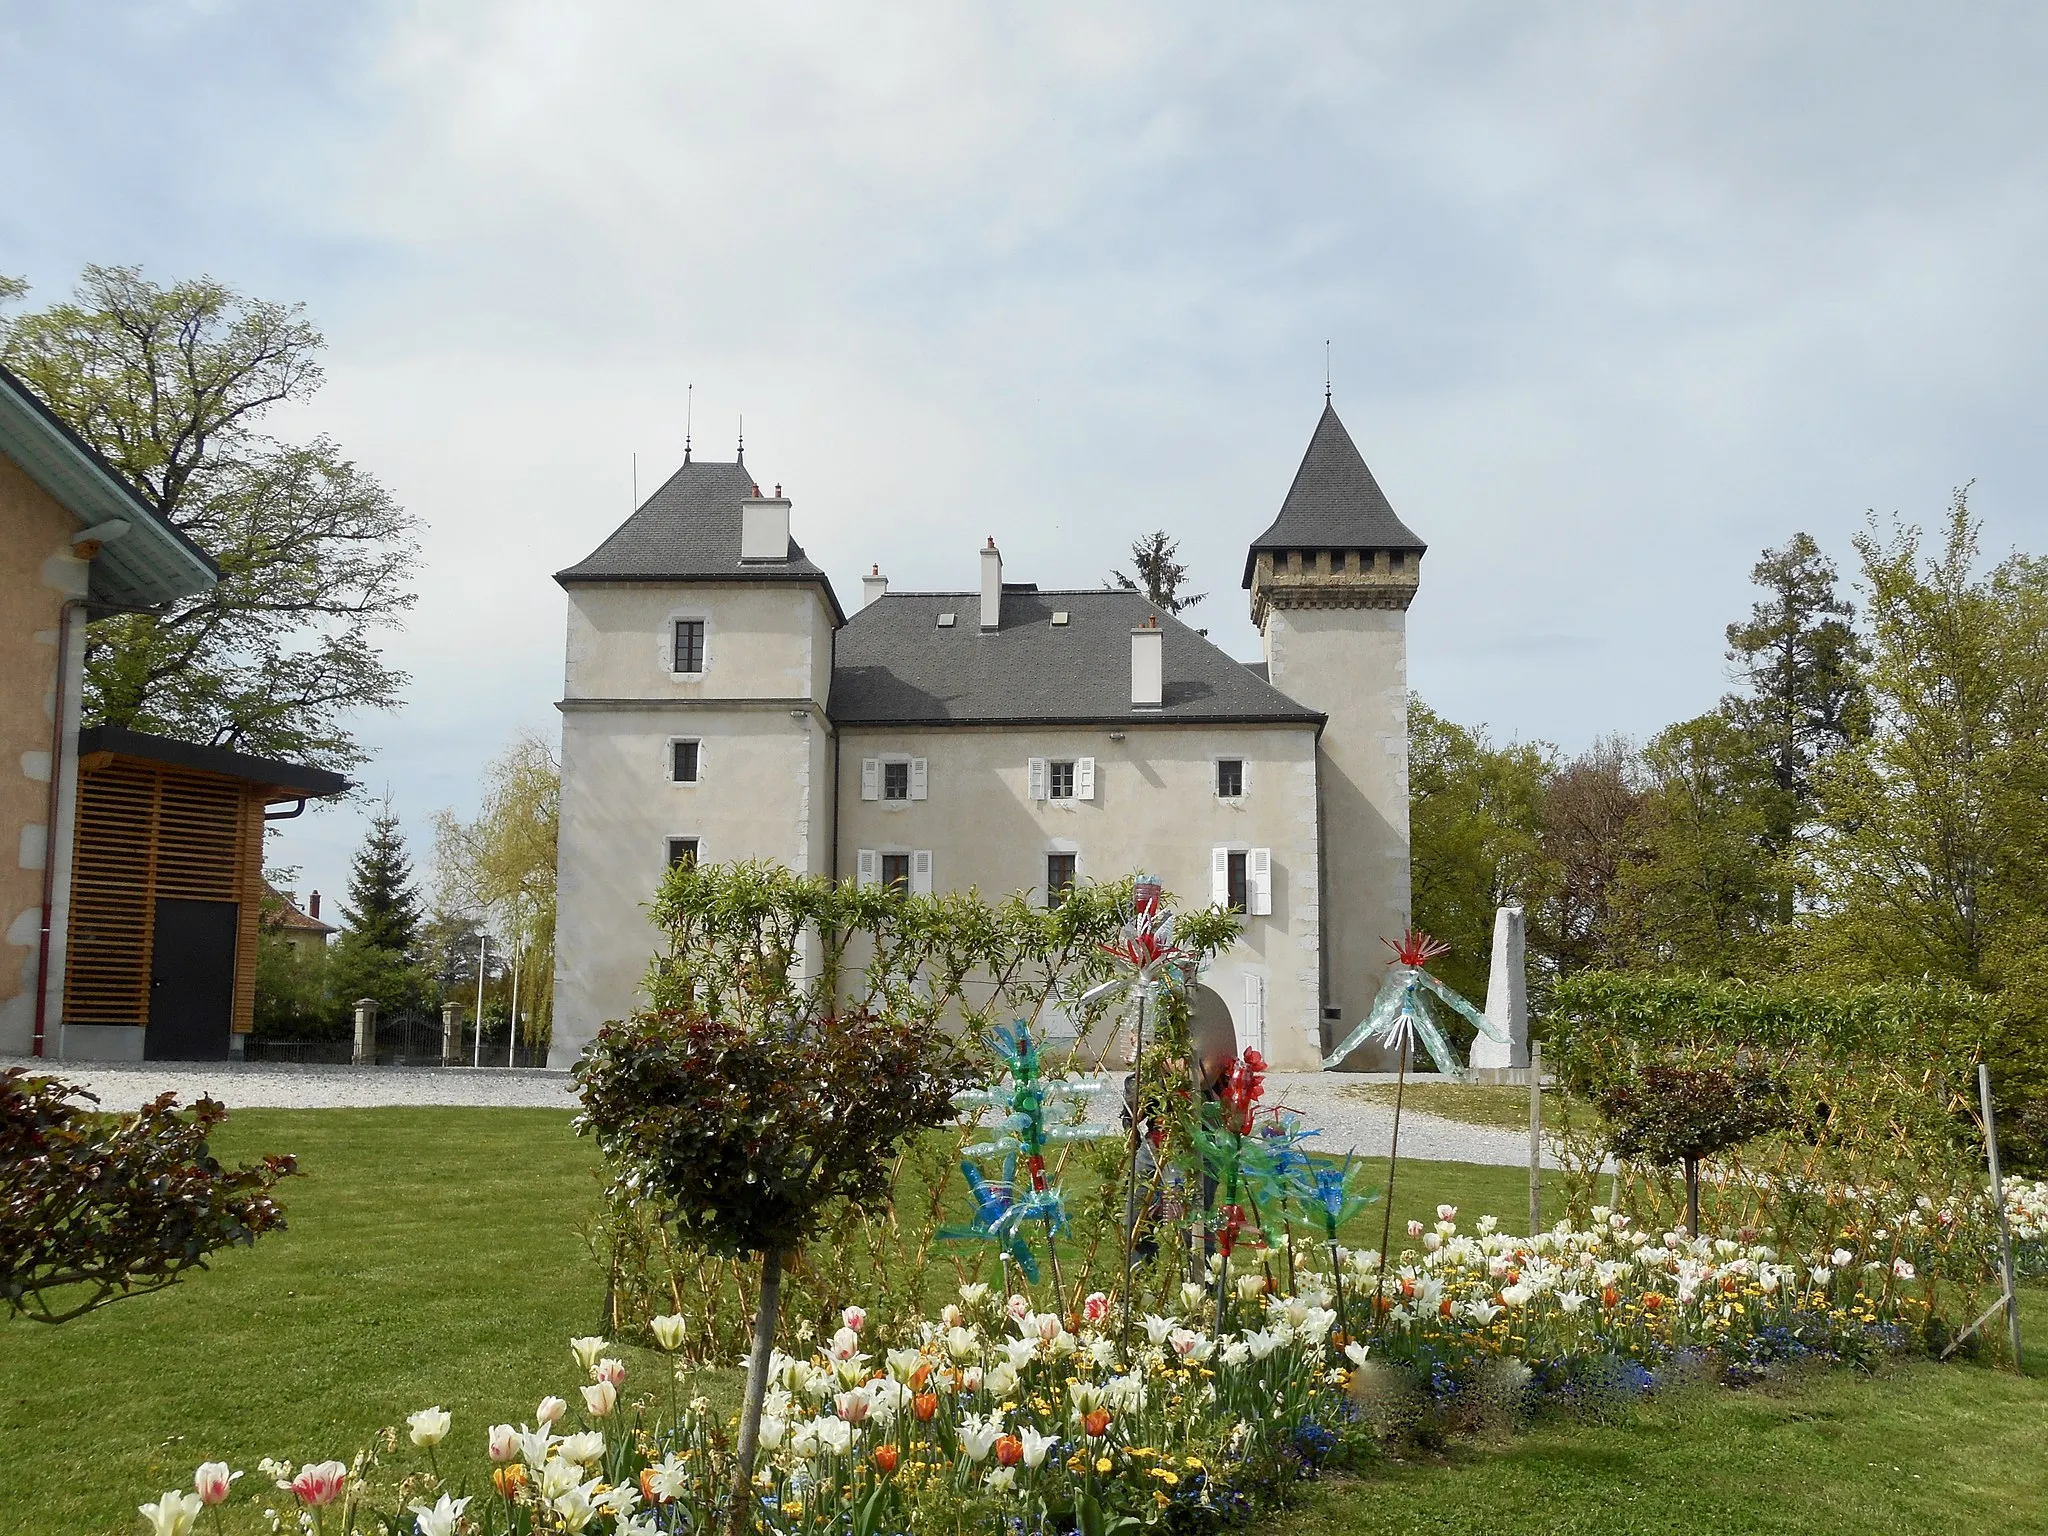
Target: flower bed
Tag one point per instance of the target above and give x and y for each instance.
(996, 1415)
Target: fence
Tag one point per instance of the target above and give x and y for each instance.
(406, 1040)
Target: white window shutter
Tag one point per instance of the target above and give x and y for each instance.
(1255, 1008)
(1084, 778)
(917, 778)
(1258, 876)
(1036, 775)
(921, 872)
(867, 868)
(1219, 877)
(871, 778)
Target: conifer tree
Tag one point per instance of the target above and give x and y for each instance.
(383, 909)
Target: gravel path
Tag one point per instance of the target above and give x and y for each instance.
(282, 1085)
(1347, 1124)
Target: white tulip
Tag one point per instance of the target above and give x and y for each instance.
(429, 1427)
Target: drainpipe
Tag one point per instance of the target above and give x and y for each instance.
(64, 614)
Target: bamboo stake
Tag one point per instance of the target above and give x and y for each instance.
(1131, 1187)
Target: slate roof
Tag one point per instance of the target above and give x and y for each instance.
(689, 530)
(1334, 502)
(894, 665)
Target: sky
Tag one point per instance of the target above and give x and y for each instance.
(1614, 296)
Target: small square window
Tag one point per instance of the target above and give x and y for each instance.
(896, 872)
(683, 768)
(1059, 877)
(683, 851)
(1059, 784)
(689, 651)
(1230, 777)
(895, 781)
(1238, 887)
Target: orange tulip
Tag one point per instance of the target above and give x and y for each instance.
(885, 1459)
(1097, 1423)
(509, 1479)
(923, 1406)
(1010, 1450)
(1610, 1297)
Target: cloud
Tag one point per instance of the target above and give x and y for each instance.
(1617, 294)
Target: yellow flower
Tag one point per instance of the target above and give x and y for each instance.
(1103, 1464)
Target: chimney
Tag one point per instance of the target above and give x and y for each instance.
(313, 909)
(991, 586)
(872, 586)
(1148, 665)
(764, 527)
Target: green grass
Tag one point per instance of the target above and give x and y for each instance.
(1916, 1448)
(434, 1257)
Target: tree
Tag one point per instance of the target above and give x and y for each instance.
(169, 385)
(1475, 836)
(1929, 857)
(1801, 660)
(1158, 574)
(503, 863)
(1673, 1114)
(1591, 820)
(378, 955)
(749, 1136)
(94, 1208)
(1700, 891)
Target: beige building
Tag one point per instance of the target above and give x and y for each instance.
(76, 542)
(719, 704)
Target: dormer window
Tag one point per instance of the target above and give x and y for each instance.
(689, 646)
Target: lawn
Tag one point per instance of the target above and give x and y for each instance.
(1501, 1108)
(434, 1256)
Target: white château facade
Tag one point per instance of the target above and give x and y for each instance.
(719, 704)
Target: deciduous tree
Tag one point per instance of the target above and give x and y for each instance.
(170, 384)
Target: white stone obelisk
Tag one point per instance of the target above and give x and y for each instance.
(1507, 994)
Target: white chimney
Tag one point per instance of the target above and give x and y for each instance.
(991, 586)
(1148, 665)
(764, 526)
(872, 586)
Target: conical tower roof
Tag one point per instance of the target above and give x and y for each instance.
(1334, 502)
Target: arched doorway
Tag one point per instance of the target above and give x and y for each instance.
(1212, 1033)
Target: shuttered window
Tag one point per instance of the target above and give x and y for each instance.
(896, 871)
(921, 872)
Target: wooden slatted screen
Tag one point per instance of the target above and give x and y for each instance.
(146, 830)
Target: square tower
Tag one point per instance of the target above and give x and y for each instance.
(1330, 584)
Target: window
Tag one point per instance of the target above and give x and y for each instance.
(1059, 877)
(1070, 778)
(683, 767)
(689, 647)
(1241, 880)
(893, 780)
(896, 871)
(683, 851)
(1229, 777)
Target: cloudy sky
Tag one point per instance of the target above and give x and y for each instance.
(1616, 295)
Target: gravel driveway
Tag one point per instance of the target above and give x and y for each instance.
(1347, 1124)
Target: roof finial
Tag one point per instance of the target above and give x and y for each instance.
(743, 437)
(689, 410)
(1326, 371)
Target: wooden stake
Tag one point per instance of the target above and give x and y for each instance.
(1535, 1138)
(2012, 1299)
(1393, 1162)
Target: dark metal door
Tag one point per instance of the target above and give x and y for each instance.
(191, 980)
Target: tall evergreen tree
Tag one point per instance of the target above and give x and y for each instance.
(1799, 659)
(1157, 573)
(383, 909)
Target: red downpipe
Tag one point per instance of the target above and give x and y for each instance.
(71, 606)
